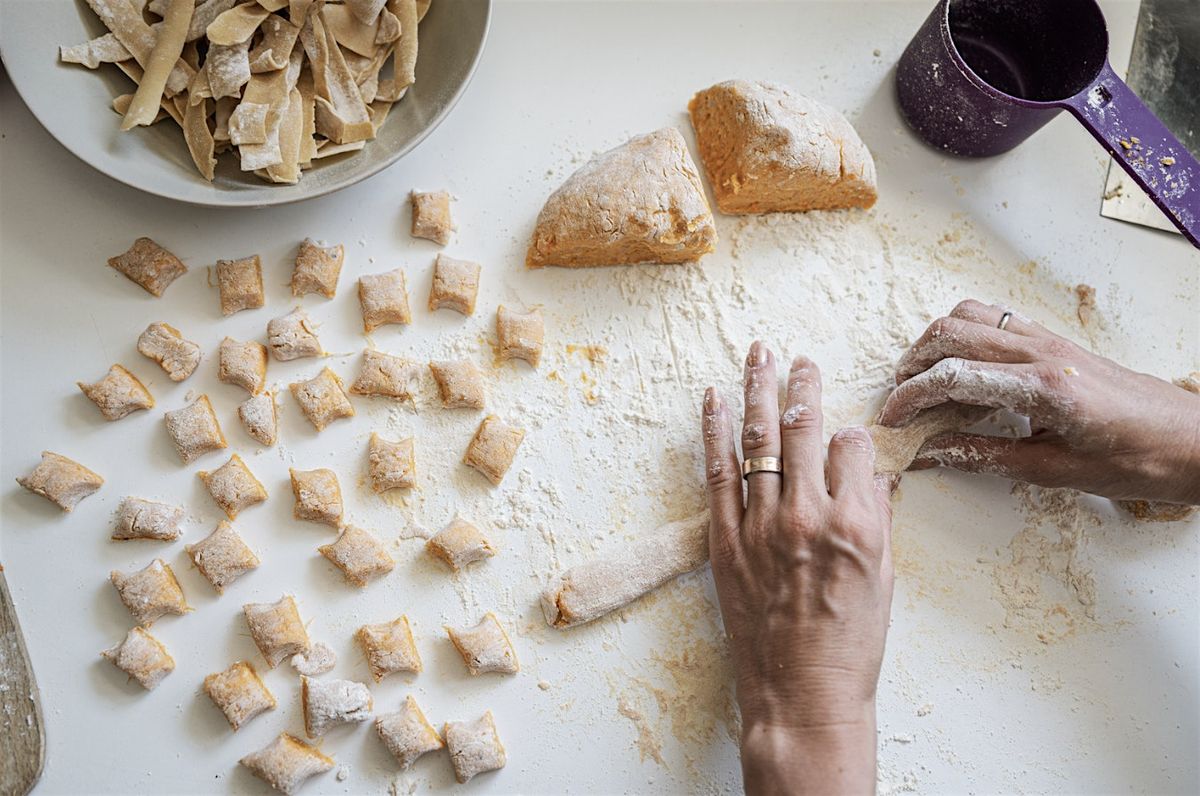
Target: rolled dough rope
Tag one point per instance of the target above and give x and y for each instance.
(594, 588)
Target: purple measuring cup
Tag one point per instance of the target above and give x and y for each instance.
(981, 76)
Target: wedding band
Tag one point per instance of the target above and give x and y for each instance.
(761, 464)
(1004, 320)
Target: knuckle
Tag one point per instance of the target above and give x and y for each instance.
(1056, 349)
(799, 418)
(755, 435)
(853, 440)
(719, 475)
(967, 308)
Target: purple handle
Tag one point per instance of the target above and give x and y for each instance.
(1144, 147)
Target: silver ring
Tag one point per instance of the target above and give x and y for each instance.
(762, 464)
(1004, 320)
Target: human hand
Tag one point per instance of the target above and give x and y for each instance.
(1097, 426)
(804, 578)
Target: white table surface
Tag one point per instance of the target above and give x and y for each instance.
(970, 700)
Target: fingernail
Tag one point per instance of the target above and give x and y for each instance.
(799, 363)
(758, 354)
(712, 401)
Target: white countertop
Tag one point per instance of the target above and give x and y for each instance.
(971, 698)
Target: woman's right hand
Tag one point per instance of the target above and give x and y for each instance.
(1097, 426)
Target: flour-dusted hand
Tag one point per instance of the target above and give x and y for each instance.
(1097, 426)
(804, 577)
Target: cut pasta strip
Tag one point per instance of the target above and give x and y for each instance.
(194, 430)
(521, 334)
(272, 51)
(493, 448)
(276, 629)
(460, 543)
(384, 299)
(485, 647)
(242, 364)
(459, 383)
(407, 734)
(404, 63)
(322, 398)
(233, 486)
(389, 648)
(104, 49)
(391, 465)
(127, 25)
(240, 282)
(239, 693)
(293, 336)
(455, 284)
(291, 130)
(150, 593)
(318, 496)
(165, 345)
(341, 115)
(168, 46)
(385, 375)
(360, 556)
(149, 265)
(228, 68)
(118, 394)
(142, 657)
(236, 25)
(144, 519)
(474, 747)
(328, 703)
(317, 268)
(287, 763)
(198, 137)
(62, 481)
(431, 215)
(260, 417)
(223, 556)
(248, 123)
(366, 11)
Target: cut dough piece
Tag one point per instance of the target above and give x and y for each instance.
(242, 364)
(521, 335)
(391, 465)
(233, 486)
(222, 557)
(328, 703)
(322, 398)
(118, 394)
(241, 284)
(318, 496)
(317, 269)
(769, 149)
(460, 543)
(194, 430)
(62, 481)
(165, 345)
(639, 203)
(319, 659)
(493, 448)
(384, 299)
(389, 648)
(455, 285)
(385, 375)
(276, 629)
(474, 747)
(459, 383)
(142, 657)
(150, 592)
(240, 693)
(360, 556)
(431, 216)
(407, 734)
(485, 647)
(149, 265)
(293, 336)
(144, 519)
(287, 763)
(260, 418)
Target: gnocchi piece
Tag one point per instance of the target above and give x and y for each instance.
(144, 519)
(165, 345)
(460, 543)
(493, 448)
(287, 763)
(360, 556)
(459, 383)
(389, 648)
(118, 394)
(242, 364)
(293, 336)
(521, 334)
(260, 418)
(150, 593)
(455, 285)
(241, 284)
(407, 734)
(194, 430)
(385, 375)
(328, 703)
(319, 659)
(322, 398)
(223, 556)
(60, 480)
(142, 657)
(485, 647)
(240, 693)
(151, 266)
(474, 747)
(233, 486)
(318, 496)
(391, 465)
(317, 269)
(276, 629)
(384, 299)
(431, 216)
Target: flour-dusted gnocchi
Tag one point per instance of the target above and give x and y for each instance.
(322, 398)
(242, 364)
(144, 519)
(407, 734)
(318, 496)
(293, 336)
(328, 703)
(521, 335)
(276, 629)
(493, 448)
(431, 216)
(223, 556)
(317, 269)
(391, 465)
(241, 284)
(142, 657)
(389, 648)
(150, 593)
(165, 345)
(385, 375)
(485, 647)
(455, 285)
(118, 394)
(460, 543)
(384, 299)
(360, 556)
(239, 693)
(260, 417)
(62, 481)
(149, 265)
(459, 383)
(287, 763)
(319, 659)
(194, 430)
(474, 747)
(233, 486)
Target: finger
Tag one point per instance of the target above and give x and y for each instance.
(954, 337)
(992, 314)
(852, 466)
(801, 429)
(1041, 460)
(1017, 388)
(760, 428)
(723, 478)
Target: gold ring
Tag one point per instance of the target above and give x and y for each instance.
(1004, 320)
(761, 464)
